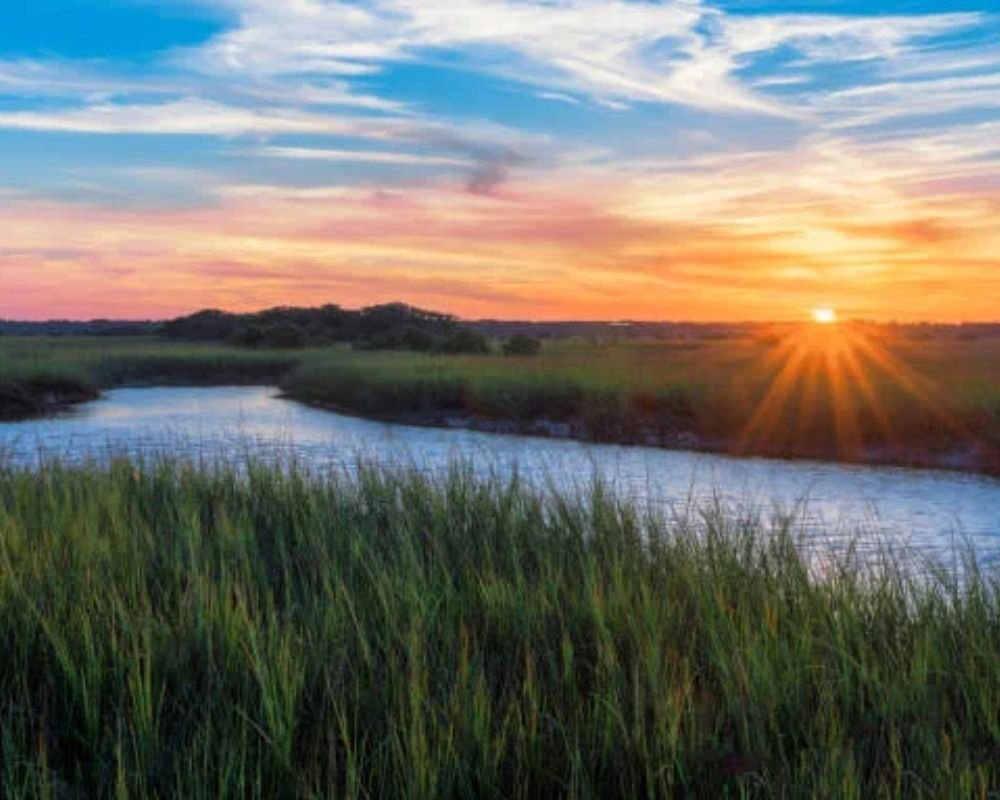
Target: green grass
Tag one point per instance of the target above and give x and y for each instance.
(908, 402)
(37, 374)
(171, 632)
(111, 361)
(608, 392)
(926, 402)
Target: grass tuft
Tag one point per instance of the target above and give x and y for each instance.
(170, 631)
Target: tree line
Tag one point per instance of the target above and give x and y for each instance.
(390, 326)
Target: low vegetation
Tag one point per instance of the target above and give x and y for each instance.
(39, 394)
(881, 397)
(889, 399)
(521, 344)
(593, 405)
(40, 375)
(172, 632)
(391, 326)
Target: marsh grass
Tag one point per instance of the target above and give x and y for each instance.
(39, 375)
(609, 396)
(110, 362)
(702, 393)
(173, 631)
(720, 395)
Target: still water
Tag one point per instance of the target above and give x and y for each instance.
(918, 509)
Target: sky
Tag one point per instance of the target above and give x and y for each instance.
(529, 159)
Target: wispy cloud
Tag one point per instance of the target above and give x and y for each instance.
(186, 116)
(361, 157)
(684, 52)
(309, 55)
(763, 155)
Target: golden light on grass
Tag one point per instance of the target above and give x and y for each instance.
(824, 316)
(827, 385)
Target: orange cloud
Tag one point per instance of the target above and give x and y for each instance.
(749, 240)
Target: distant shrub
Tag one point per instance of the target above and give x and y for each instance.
(416, 339)
(465, 340)
(520, 344)
(284, 335)
(208, 325)
(399, 338)
(389, 316)
(247, 336)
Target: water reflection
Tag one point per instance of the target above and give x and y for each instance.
(923, 510)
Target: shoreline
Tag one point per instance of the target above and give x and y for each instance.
(957, 460)
(40, 399)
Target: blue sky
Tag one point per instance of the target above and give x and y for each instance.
(563, 158)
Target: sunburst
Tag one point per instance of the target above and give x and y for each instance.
(824, 315)
(826, 387)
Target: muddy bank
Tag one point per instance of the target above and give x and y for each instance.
(42, 396)
(959, 457)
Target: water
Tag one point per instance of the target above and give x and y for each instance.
(915, 509)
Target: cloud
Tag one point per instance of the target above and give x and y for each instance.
(282, 67)
(489, 151)
(597, 49)
(824, 38)
(865, 153)
(490, 175)
(674, 238)
(873, 104)
(361, 157)
(610, 51)
(35, 78)
(187, 116)
(559, 97)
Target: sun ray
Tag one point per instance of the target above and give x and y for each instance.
(845, 433)
(761, 425)
(876, 406)
(826, 392)
(918, 387)
(808, 407)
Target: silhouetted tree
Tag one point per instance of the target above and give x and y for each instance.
(284, 335)
(247, 336)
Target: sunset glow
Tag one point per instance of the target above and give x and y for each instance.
(824, 316)
(502, 158)
(838, 387)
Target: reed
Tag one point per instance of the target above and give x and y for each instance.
(265, 632)
(40, 375)
(887, 400)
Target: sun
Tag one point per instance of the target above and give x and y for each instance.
(824, 316)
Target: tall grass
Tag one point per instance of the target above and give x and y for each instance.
(938, 403)
(109, 362)
(923, 403)
(166, 631)
(602, 400)
(38, 375)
